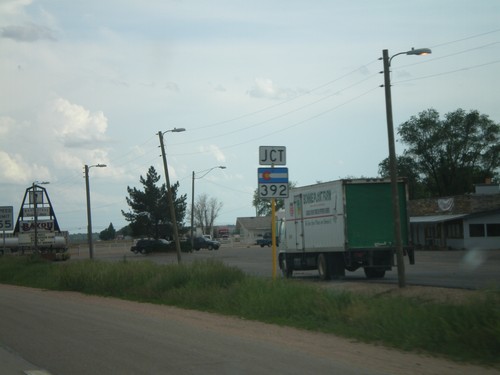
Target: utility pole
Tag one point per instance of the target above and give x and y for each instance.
(170, 199)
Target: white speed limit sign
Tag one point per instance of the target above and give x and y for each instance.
(6, 218)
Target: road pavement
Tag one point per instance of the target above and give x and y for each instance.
(66, 333)
(449, 269)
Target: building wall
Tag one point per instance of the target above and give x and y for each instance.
(483, 242)
(435, 235)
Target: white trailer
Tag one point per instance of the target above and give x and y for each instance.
(342, 225)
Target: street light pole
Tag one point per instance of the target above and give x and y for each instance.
(192, 197)
(89, 215)
(393, 166)
(169, 192)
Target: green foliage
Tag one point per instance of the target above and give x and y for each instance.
(467, 332)
(447, 157)
(150, 212)
(108, 234)
(408, 168)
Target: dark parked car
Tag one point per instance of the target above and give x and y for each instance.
(266, 240)
(146, 246)
(205, 243)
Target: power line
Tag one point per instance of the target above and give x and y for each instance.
(288, 127)
(285, 101)
(449, 72)
(466, 38)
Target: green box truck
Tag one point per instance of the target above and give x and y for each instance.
(342, 225)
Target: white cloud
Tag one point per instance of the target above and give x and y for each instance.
(16, 170)
(266, 88)
(215, 151)
(74, 125)
(11, 8)
(6, 123)
(62, 138)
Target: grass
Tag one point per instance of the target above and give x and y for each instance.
(467, 332)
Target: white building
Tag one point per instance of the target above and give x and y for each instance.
(468, 222)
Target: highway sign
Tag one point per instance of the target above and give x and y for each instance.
(273, 190)
(273, 182)
(272, 155)
(272, 175)
(6, 218)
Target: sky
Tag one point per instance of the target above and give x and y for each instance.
(87, 82)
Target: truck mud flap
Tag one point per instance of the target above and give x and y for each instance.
(411, 254)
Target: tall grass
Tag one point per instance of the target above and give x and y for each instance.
(467, 332)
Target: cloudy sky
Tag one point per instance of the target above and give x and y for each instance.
(94, 81)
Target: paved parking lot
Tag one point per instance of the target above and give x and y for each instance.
(453, 269)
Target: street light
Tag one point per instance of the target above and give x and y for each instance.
(207, 171)
(169, 191)
(35, 201)
(89, 216)
(393, 167)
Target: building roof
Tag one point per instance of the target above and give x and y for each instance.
(254, 223)
(435, 218)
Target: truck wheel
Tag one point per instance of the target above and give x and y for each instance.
(210, 247)
(324, 268)
(143, 251)
(374, 273)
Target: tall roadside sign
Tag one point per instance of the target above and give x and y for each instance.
(6, 218)
(273, 183)
(6, 222)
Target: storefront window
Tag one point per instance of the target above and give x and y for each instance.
(493, 230)
(476, 230)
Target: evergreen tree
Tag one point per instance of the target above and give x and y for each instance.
(149, 213)
(108, 234)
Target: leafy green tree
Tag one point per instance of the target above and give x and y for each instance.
(453, 154)
(150, 214)
(108, 234)
(125, 231)
(407, 168)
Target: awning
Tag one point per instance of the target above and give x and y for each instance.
(435, 218)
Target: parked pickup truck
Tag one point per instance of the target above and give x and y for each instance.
(266, 240)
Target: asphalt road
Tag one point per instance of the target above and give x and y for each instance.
(450, 269)
(65, 333)
(70, 334)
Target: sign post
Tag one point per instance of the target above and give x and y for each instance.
(273, 183)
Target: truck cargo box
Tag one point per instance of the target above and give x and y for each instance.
(346, 224)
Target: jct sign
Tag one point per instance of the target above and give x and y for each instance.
(272, 155)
